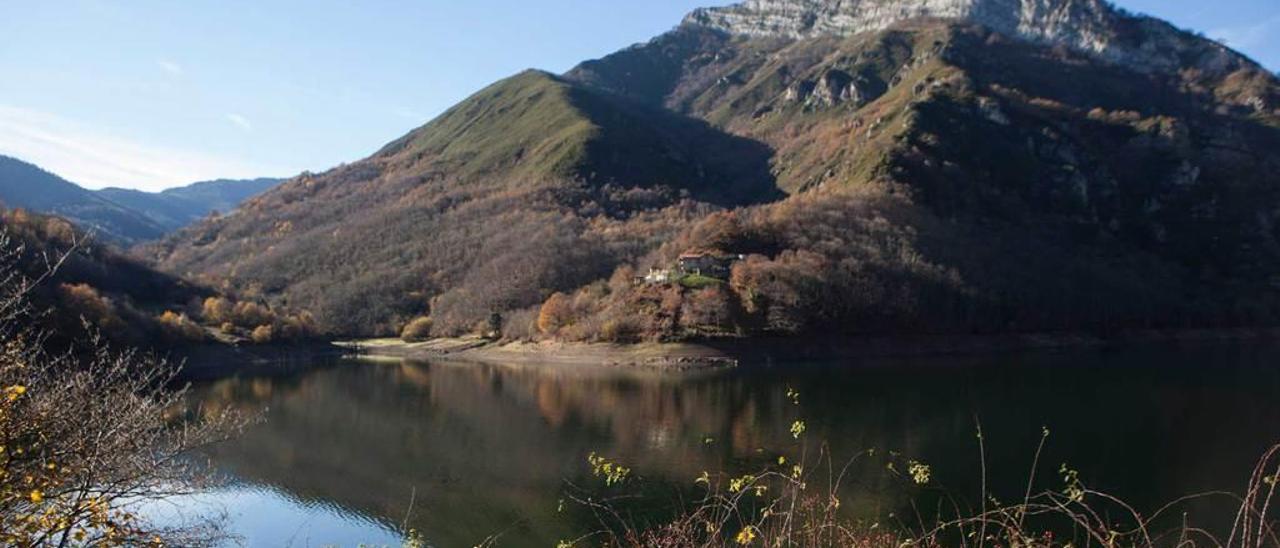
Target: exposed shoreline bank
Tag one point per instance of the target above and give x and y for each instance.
(724, 353)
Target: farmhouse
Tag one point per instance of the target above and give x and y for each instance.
(658, 276)
(702, 263)
(691, 263)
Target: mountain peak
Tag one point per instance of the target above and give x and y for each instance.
(1093, 27)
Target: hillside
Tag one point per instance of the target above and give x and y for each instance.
(929, 169)
(118, 215)
(118, 296)
(80, 288)
(533, 183)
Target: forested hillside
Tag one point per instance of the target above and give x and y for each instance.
(84, 285)
(925, 176)
(81, 288)
(533, 183)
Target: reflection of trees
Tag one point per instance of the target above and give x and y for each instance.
(487, 447)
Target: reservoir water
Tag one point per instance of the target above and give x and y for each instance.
(353, 451)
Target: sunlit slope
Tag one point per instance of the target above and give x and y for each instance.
(493, 200)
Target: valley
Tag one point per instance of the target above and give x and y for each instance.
(855, 273)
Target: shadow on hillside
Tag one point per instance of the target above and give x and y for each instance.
(642, 145)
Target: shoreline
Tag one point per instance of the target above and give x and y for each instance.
(729, 353)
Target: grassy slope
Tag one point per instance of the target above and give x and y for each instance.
(491, 205)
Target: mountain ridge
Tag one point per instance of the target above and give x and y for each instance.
(25, 185)
(177, 207)
(123, 216)
(1095, 27)
(934, 176)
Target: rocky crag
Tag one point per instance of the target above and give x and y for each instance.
(1091, 26)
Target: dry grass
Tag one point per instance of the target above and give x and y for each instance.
(795, 505)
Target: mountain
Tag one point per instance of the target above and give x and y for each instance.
(178, 207)
(27, 186)
(927, 166)
(529, 184)
(120, 215)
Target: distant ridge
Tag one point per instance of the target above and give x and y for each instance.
(118, 215)
(26, 186)
(178, 207)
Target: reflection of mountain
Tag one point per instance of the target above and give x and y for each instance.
(489, 447)
(485, 447)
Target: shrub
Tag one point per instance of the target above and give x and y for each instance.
(555, 313)
(86, 301)
(179, 327)
(248, 314)
(298, 326)
(263, 334)
(521, 325)
(621, 330)
(217, 310)
(417, 330)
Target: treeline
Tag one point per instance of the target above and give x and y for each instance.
(256, 322)
(458, 253)
(555, 261)
(854, 263)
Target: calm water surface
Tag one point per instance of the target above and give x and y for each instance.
(349, 450)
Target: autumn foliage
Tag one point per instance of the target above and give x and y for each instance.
(256, 322)
(85, 436)
(417, 330)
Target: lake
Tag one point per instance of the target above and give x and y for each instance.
(351, 450)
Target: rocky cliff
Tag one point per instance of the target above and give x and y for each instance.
(1090, 26)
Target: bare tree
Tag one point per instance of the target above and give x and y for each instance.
(89, 435)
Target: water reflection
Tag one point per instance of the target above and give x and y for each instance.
(482, 449)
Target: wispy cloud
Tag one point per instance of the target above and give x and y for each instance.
(97, 159)
(240, 121)
(1251, 35)
(170, 67)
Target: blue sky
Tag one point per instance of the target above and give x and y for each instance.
(153, 94)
